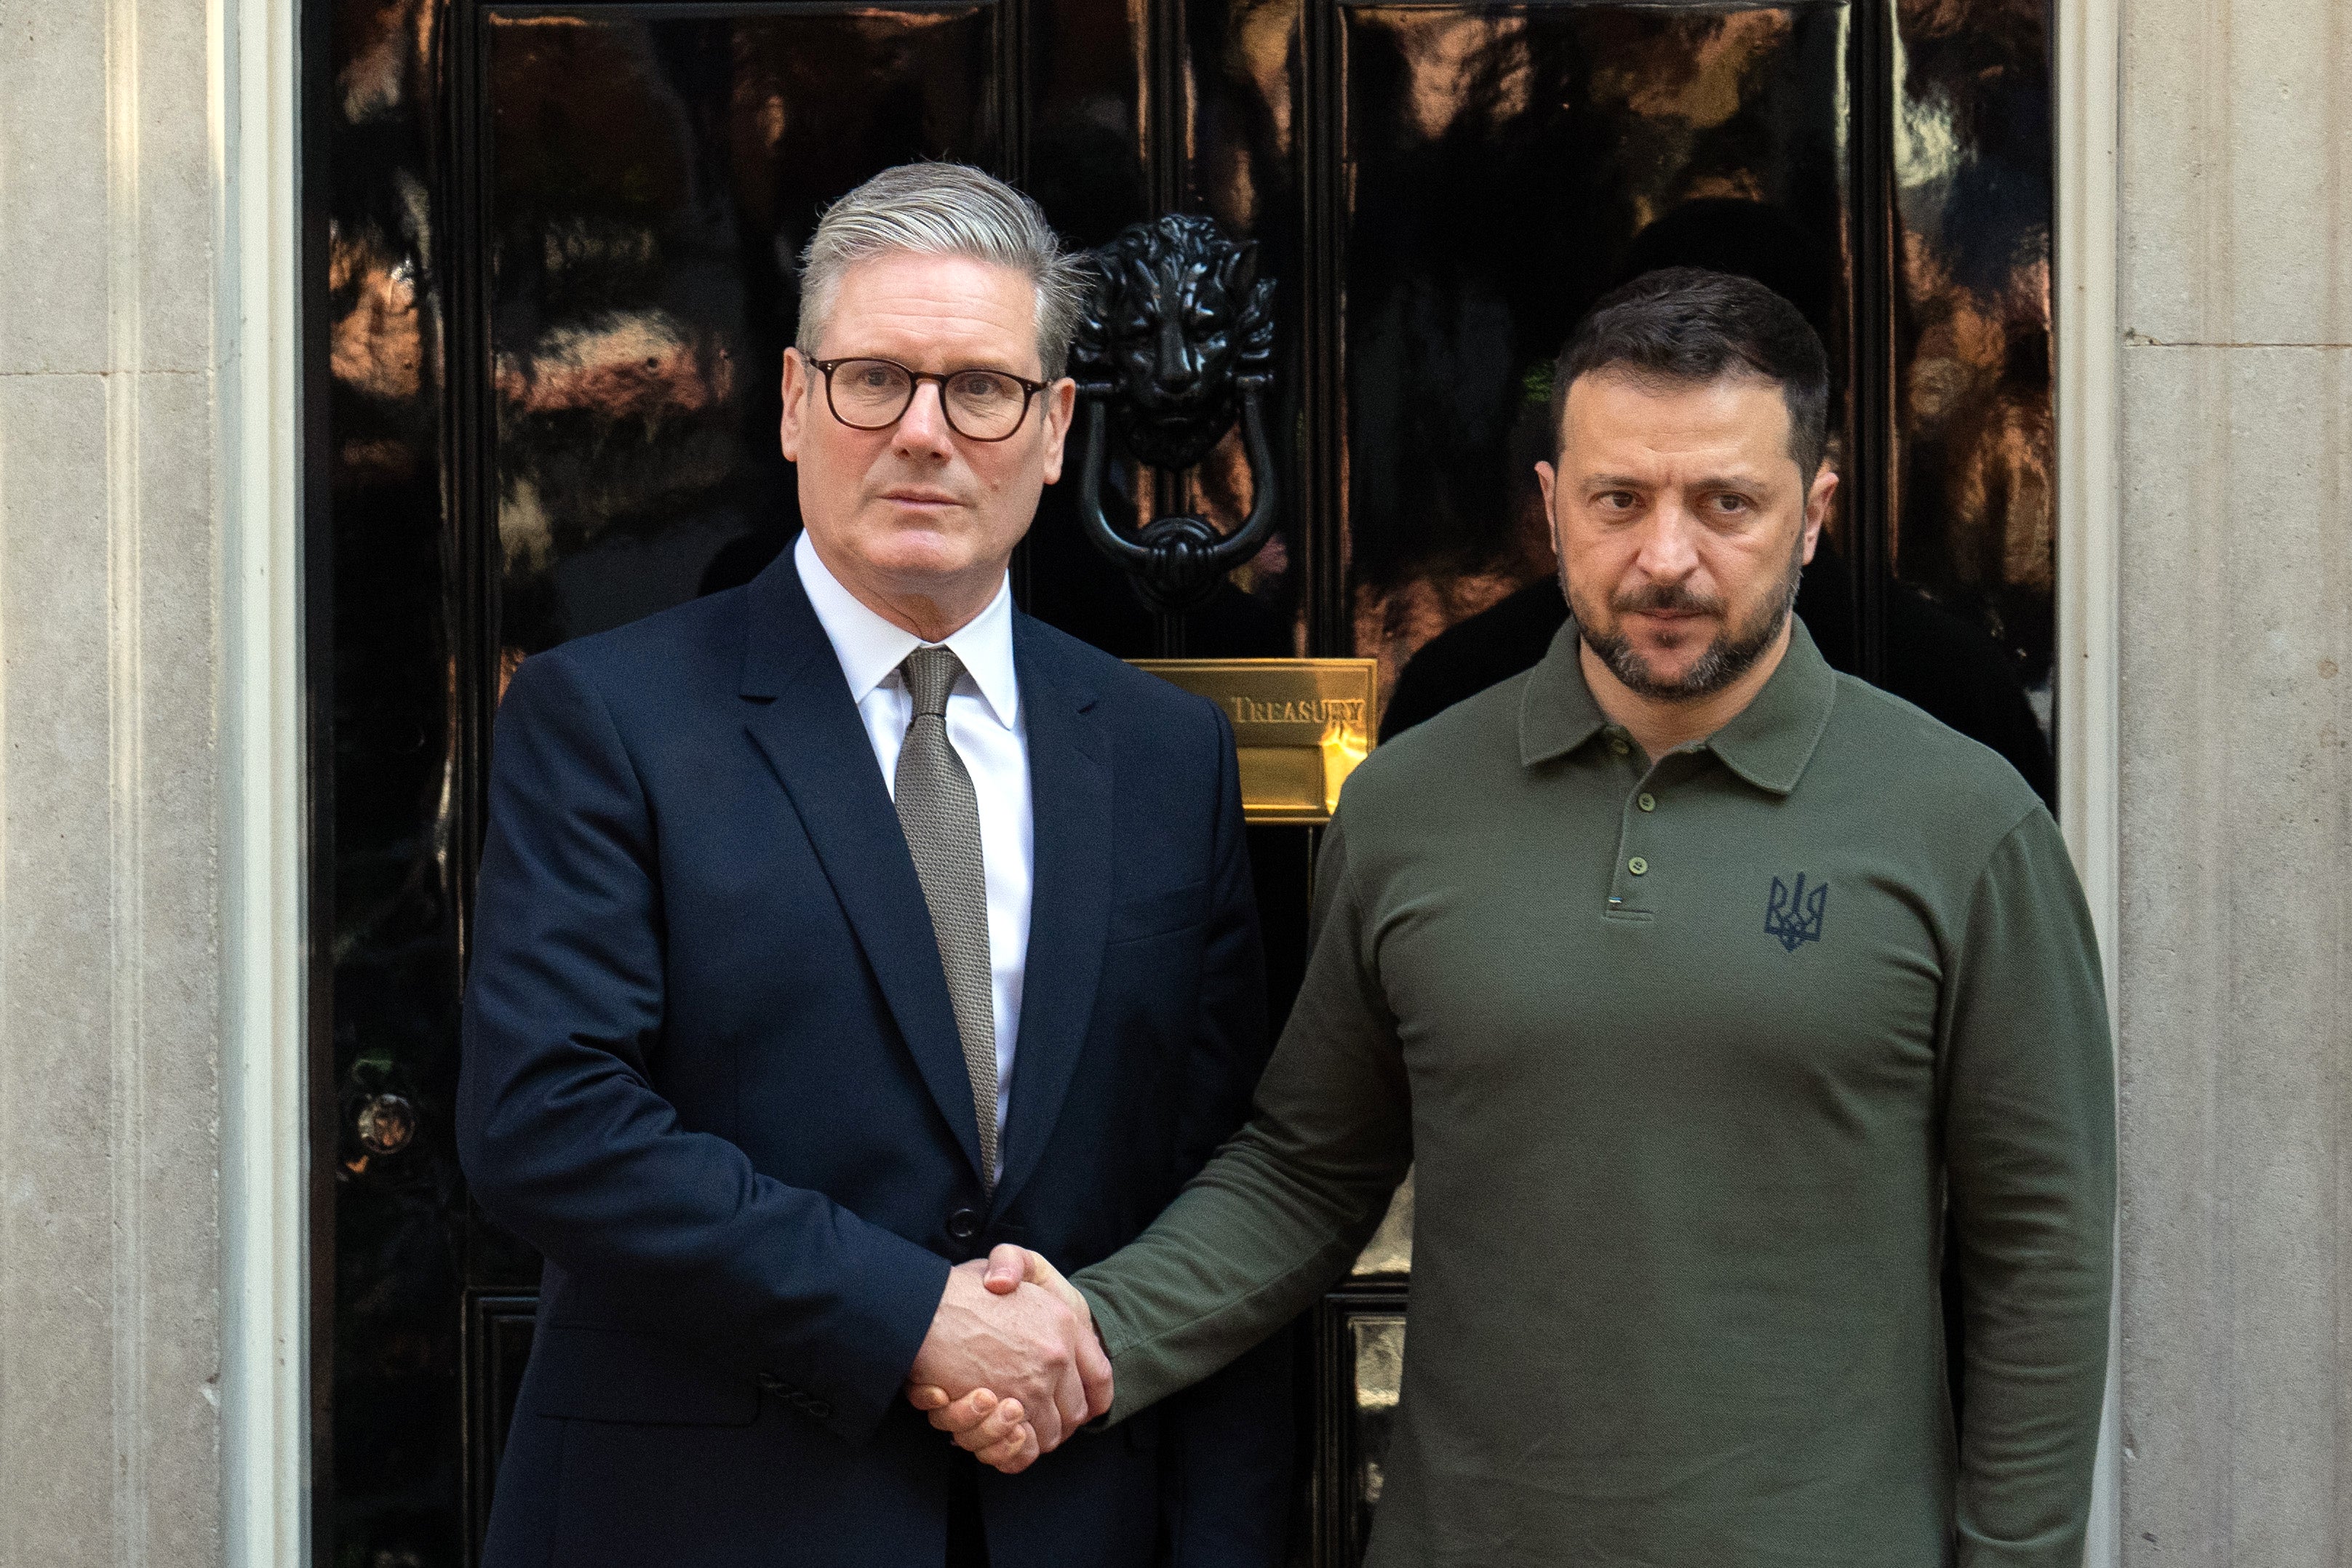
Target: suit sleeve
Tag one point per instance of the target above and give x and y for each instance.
(2028, 1136)
(1286, 1205)
(1225, 1445)
(561, 1130)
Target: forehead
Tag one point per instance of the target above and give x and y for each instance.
(1617, 421)
(935, 313)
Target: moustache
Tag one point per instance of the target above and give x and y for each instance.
(1670, 597)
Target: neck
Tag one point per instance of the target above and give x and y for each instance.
(1659, 724)
(934, 611)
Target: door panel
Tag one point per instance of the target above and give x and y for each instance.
(640, 244)
(1504, 166)
(555, 272)
(1971, 624)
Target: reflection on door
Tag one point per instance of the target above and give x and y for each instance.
(554, 274)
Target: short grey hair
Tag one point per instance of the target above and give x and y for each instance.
(943, 209)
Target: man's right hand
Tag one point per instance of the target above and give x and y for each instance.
(1024, 1344)
(996, 1431)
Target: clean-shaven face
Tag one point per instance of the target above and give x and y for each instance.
(1682, 524)
(917, 510)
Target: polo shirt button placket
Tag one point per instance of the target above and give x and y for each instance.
(1627, 866)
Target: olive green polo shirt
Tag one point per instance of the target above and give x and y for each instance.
(1689, 1058)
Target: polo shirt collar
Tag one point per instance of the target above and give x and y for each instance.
(871, 649)
(1767, 743)
(1557, 713)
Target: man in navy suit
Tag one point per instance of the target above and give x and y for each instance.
(835, 929)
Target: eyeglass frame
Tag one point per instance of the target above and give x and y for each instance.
(915, 379)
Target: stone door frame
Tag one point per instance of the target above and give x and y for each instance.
(267, 1186)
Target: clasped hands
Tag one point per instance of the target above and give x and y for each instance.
(1012, 1365)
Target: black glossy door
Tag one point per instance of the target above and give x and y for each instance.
(553, 274)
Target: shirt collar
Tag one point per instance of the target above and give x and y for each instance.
(871, 649)
(1767, 743)
(1557, 713)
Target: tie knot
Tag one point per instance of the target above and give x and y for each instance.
(930, 674)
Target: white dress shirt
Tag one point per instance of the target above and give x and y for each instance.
(984, 725)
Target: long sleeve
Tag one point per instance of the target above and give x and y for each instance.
(2028, 1130)
(1225, 1444)
(563, 1133)
(1282, 1209)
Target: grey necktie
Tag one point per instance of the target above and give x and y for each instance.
(941, 817)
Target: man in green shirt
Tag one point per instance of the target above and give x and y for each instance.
(1698, 982)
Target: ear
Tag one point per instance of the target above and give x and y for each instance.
(1136, 281)
(1547, 480)
(1817, 508)
(1060, 401)
(1090, 334)
(1241, 272)
(798, 378)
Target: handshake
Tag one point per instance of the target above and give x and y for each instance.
(1012, 1365)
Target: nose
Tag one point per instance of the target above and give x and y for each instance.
(1177, 364)
(922, 430)
(1669, 551)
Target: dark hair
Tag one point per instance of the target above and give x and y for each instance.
(1687, 324)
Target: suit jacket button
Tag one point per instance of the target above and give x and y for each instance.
(819, 1409)
(962, 1225)
(773, 1384)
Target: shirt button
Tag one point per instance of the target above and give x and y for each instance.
(1637, 865)
(1617, 744)
(1648, 802)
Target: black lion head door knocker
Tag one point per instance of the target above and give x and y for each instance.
(1176, 341)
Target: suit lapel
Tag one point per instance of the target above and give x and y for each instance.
(1070, 805)
(798, 712)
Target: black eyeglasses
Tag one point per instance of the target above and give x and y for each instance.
(873, 394)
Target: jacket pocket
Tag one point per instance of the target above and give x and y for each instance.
(1156, 914)
(586, 1373)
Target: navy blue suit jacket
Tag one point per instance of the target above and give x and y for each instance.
(712, 1073)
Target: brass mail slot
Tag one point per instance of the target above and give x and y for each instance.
(1300, 724)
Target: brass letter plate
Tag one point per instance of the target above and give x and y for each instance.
(1301, 725)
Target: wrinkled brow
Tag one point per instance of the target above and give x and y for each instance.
(1724, 481)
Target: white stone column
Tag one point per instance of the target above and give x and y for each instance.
(2236, 799)
(121, 331)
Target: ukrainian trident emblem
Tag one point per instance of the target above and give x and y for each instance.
(1794, 915)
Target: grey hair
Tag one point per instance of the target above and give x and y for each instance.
(943, 209)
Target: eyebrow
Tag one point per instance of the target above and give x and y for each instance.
(1707, 481)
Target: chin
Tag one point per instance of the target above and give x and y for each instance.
(920, 556)
(1668, 675)
(1670, 659)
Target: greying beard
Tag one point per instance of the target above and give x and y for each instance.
(1732, 654)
